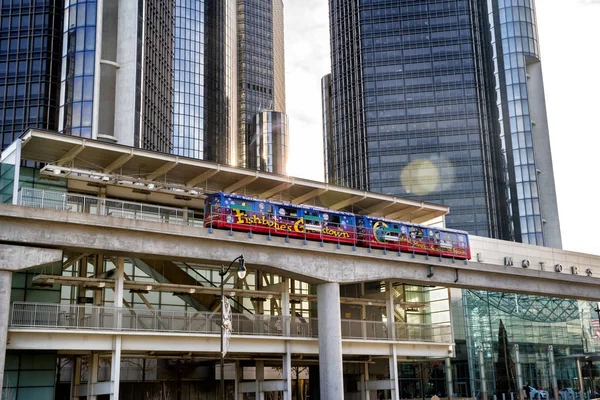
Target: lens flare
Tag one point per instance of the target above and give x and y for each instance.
(420, 177)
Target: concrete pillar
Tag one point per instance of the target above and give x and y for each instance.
(287, 357)
(92, 376)
(449, 385)
(484, 395)
(519, 372)
(5, 285)
(580, 377)
(389, 308)
(552, 371)
(115, 368)
(237, 379)
(260, 378)
(115, 371)
(395, 392)
(119, 279)
(76, 378)
(364, 381)
(330, 342)
(363, 313)
(287, 371)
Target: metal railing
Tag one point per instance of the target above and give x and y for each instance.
(65, 316)
(101, 206)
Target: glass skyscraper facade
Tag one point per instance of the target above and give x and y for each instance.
(161, 75)
(188, 81)
(30, 57)
(261, 74)
(77, 72)
(442, 101)
(411, 106)
(268, 150)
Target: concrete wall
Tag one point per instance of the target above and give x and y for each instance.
(125, 88)
(543, 154)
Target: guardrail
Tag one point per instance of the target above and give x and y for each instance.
(87, 317)
(101, 206)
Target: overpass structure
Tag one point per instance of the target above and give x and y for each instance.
(67, 228)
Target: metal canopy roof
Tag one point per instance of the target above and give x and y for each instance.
(207, 177)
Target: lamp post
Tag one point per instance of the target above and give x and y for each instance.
(241, 271)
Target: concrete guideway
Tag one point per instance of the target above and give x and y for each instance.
(311, 261)
(16, 258)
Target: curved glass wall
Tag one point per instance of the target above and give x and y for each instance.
(534, 323)
(514, 38)
(188, 89)
(78, 64)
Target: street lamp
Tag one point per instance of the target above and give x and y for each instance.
(241, 272)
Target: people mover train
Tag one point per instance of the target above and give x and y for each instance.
(242, 213)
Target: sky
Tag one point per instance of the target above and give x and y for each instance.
(569, 32)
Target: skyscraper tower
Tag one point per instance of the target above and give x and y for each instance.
(523, 124)
(159, 75)
(413, 111)
(412, 107)
(261, 84)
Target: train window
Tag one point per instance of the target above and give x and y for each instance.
(333, 219)
(216, 204)
(288, 212)
(416, 232)
(313, 219)
(447, 239)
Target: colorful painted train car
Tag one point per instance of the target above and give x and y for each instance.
(243, 213)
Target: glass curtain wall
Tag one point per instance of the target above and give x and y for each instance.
(188, 90)
(514, 39)
(534, 323)
(30, 56)
(412, 106)
(78, 64)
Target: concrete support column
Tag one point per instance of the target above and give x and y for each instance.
(287, 357)
(449, 385)
(119, 279)
(389, 308)
(519, 372)
(395, 395)
(260, 378)
(580, 378)
(331, 378)
(5, 285)
(364, 381)
(363, 313)
(552, 371)
(484, 395)
(237, 379)
(76, 379)
(115, 371)
(287, 372)
(92, 376)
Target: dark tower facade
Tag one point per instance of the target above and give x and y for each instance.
(412, 107)
(261, 72)
(31, 37)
